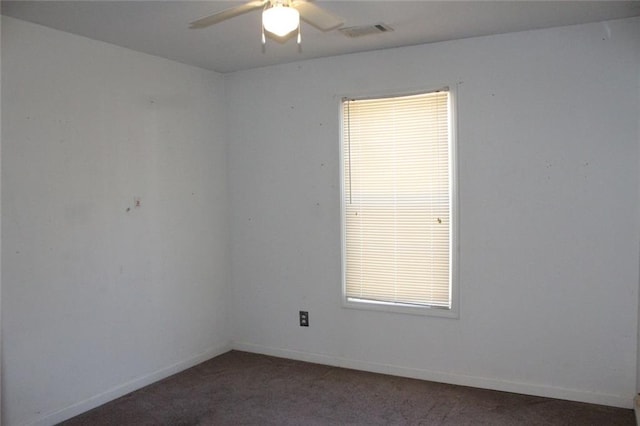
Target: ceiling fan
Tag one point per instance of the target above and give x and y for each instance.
(279, 17)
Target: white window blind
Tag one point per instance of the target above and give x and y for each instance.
(397, 200)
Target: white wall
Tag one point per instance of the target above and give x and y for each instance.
(0, 228)
(548, 176)
(100, 297)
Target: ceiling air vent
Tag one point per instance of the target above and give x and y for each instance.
(364, 30)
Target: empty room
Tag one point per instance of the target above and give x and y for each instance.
(320, 212)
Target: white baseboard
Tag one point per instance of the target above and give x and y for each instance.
(125, 388)
(443, 377)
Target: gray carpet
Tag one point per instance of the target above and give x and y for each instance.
(239, 388)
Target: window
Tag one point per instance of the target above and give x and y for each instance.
(398, 207)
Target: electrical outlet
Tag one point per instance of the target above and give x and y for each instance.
(304, 319)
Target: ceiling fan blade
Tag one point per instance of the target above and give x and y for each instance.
(226, 14)
(319, 18)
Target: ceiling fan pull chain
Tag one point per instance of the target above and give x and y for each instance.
(299, 35)
(264, 39)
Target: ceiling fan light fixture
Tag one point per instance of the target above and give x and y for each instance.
(280, 20)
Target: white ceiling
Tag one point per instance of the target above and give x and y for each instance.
(162, 27)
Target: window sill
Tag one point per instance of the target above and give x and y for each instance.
(400, 308)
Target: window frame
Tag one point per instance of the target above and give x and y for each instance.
(453, 311)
